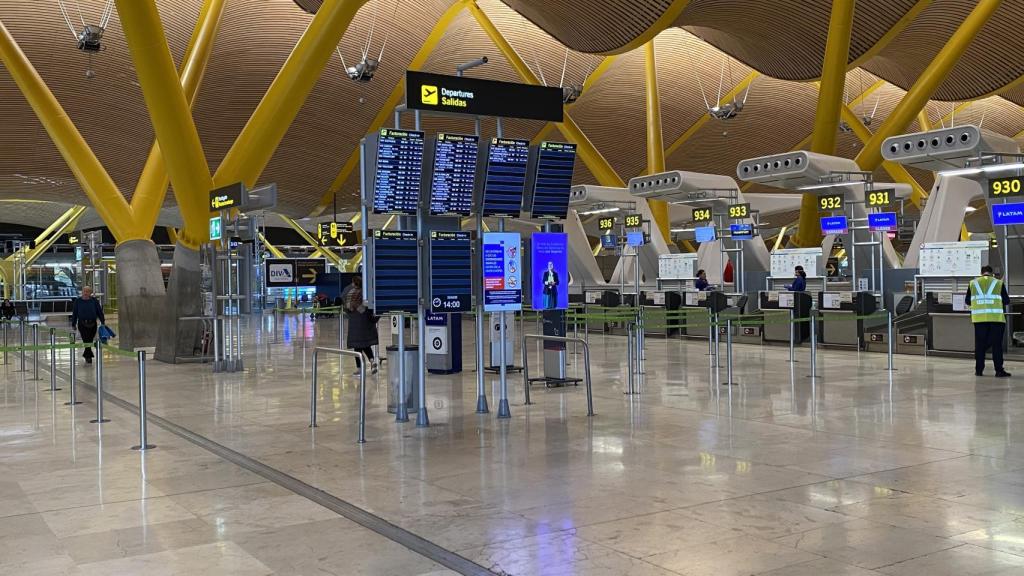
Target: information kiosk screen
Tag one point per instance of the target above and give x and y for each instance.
(505, 178)
(451, 272)
(550, 278)
(553, 179)
(454, 175)
(399, 167)
(395, 271)
(503, 272)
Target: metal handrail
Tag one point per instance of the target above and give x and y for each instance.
(567, 340)
(362, 387)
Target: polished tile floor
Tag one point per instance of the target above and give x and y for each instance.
(853, 472)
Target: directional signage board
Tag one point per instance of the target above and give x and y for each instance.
(453, 180)
(397, 173)
(476, 97)
(505, 177)
(503, 272)
(395, 271)
(216, 228)
(280, 272)
(230, 196)
(552, 179)
(336, 234)
(309, 270)
(451, 272)
(1008, 214)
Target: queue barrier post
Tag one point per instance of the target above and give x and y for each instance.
(99, 381)
(72, 371)
(814, 344)
(35, 353)
(567, 340)
(53, 360)
(362, 387)
(143, 441)
(7, 325)
(21, 329)
(888, 338)
(629, 358)
(728, 351)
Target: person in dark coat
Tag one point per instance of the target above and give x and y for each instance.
(86, 316)
(7, 309)
(362, 324)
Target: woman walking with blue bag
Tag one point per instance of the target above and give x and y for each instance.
(86, 317)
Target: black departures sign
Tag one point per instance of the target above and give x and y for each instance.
(476, 97)
(227, 197)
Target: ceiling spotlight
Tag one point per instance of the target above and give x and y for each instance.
(571, 93)
(89, 38)
(364, 70)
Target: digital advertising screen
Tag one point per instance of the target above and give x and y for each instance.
(1008, 214)
(451, 272)
(503, 272)
(505, 177)
(882, 222)
(704, 233)
(609, 241)
(453, 180)
(741, 231)
(552, 179)
(549, 253)
(399, 167)
(834, 225)
(635, 238)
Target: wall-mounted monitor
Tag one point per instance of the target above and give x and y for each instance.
(704, 233)
(882, 222)
(552, 179)
(834, 225)
(635, 238)
(505, 177)
(741, 231)
(609, 241)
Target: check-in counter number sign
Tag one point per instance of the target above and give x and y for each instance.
(702, 214)
(1005, 187)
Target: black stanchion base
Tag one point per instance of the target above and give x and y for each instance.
(557, 382)
(728, 383)
(509, 368)
(99, 421)
(72, 403)
(48, 389)
(146, 447)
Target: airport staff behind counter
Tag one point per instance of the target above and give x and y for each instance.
(987, 297)
(800, 282)
(702, 281)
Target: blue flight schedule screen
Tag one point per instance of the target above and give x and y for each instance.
(396, 178)
(452, 183)
(451, 272)
(395, 271)
(505, 179)
(553, 179)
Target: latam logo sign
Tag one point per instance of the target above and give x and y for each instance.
(1008, 214)
(280, 272)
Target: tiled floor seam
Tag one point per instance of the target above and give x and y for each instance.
(381, 526)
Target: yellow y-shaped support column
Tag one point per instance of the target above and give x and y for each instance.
(655, 139)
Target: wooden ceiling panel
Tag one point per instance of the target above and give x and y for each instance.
(595, 26)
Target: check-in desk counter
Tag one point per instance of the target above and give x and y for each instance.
(693, 315)
(776, 306)
(949, 323)
(602, 298)
(837, 330)
(655, 303)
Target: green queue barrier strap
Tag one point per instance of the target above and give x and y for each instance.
(41, 348)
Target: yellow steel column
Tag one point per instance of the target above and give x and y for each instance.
(830, 101)
(396, 98)
(268, 124)
(589, 154)
(929, 81)
(71, 220)
(153, 182)
(924, 121)
(171, 116)
(655, 139)
(94, 180)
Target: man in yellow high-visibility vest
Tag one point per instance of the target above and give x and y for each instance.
(987, 298)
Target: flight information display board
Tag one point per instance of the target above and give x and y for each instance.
(395, 271)
(552, 180)
(505, 178)
(451, 272)
(454, 175)
(397, 173)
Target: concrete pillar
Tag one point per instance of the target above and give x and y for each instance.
(140, 293)
(184, 298)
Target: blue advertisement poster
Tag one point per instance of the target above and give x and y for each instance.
(503, 272)
(550, 274)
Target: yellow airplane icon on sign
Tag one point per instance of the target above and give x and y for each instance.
(428, 95)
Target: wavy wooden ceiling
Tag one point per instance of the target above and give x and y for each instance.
(253, 43)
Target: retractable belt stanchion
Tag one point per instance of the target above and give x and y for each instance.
(143, 443)
(72, 370)
(503, 407)
(7, 324)
(814, 345)
(22, 332)
(792, 335)
(99, 381)
(888, 338)
(728, 351)
(35, 353)
(53, 361)
(629, 358)
(401, 408)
